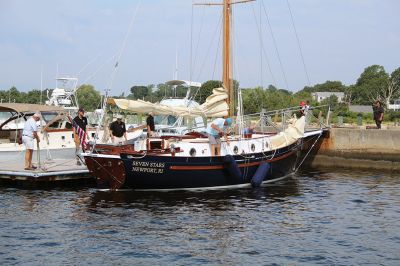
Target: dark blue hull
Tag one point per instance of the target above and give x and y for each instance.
(166, 172)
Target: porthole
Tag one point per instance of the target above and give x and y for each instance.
(236, 149)
(253, 147)
(192, 152)
(266, 145)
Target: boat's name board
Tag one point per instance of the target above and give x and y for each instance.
(148, 167)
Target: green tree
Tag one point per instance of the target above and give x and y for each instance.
(369, 85)
(139, 92)
(33, 96)
(206, 90)
(392, 89)
(88, 97)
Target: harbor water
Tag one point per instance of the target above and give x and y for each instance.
(328, 217)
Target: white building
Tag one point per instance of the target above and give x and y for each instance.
(395, 106)
(320, 96)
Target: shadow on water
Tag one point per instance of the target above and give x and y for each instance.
(212, 198)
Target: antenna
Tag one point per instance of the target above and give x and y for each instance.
(41, 83)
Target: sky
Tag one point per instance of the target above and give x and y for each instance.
(154, 41)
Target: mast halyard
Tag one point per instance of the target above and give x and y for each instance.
(227, 77)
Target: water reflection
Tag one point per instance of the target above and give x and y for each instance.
(213, 199)
(317, 217)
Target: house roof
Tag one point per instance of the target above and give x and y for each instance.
(361, 108)
(328, 93)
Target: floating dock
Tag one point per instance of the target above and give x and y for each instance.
(49, 172)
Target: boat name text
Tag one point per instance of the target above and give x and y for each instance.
(148, 167)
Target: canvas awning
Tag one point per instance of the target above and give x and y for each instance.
(28, 107)
(21, 109)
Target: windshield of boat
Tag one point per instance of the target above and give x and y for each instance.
(168, 120)
(48, 116)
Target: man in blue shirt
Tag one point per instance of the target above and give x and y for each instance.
(215, 130)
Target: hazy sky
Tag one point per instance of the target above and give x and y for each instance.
(338, 38)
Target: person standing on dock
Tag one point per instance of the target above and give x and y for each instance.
(79, 125)
(378, 113)
(118, 131)
(219, 127)
(150, 124)
(29, 133)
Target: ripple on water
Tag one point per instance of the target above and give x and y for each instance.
(318, 217)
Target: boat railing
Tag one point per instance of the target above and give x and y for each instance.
(277, 120)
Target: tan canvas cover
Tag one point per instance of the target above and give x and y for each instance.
(214, 106)
(293, 132)
(28, 107)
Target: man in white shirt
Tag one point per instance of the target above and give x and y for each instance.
(28, 135)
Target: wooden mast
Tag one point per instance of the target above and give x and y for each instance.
(227, 77)
(227, 81)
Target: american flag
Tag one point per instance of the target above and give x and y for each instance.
(81, 133)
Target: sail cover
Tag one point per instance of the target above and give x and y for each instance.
(214, 106)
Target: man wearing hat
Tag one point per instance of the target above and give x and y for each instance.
(82, 122)
(219, 127)
(29, 133)
(118, 131)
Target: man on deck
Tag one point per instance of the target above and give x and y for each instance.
(219, 127)
(118, 131)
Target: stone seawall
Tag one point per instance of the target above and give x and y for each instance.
(359, 148)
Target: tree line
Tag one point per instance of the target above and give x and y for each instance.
(374, 83)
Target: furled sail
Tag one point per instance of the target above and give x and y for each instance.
(214, 106)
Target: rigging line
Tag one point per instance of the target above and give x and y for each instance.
(216, 56)
(275, 45)
(235, 65)
(115, 68)
(196, 51)
(89, 63)
(191, 45)
(99, 68)
(261, 58)
(298, 43)
(263, 48)
(217, 52)
(305, 157)
(210, 46)
(122, 48)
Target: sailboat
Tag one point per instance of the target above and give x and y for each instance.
(186, 162)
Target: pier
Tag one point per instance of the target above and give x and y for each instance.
(50, 172)
(359, 147)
